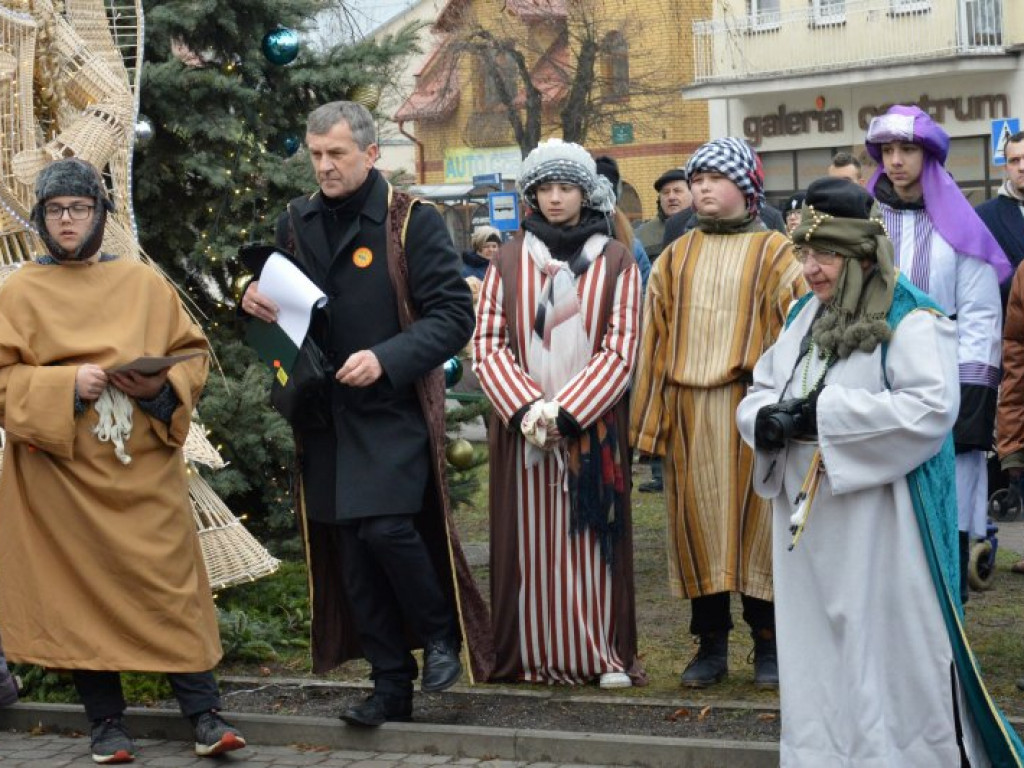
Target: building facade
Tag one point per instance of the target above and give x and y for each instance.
(643, 61)
(801, 79)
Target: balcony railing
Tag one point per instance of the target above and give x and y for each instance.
(831, 35)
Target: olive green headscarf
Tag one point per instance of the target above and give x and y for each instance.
(840, 216)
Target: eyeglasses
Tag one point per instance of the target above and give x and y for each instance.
(825, 258)
(77, 212)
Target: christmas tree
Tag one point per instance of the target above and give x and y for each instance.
(225, 90)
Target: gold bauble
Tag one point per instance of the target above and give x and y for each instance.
(460, 453)
(367, 95)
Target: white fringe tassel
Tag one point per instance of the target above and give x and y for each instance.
(115, 424)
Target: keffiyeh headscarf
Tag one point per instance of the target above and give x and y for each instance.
(950, 212)
(840, 216)
(555, 160)
(737, 161)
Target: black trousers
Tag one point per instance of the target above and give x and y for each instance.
(102, 696)
(391, 584)
(710, 613)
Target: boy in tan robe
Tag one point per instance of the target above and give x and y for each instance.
(716, 300)
(100, 565)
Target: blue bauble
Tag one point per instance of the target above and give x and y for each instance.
(281, 46)
(452, 372)
(291, 144)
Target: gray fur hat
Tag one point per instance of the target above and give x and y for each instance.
(71, 177)
(555, 160)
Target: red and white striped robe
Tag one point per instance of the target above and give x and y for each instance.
(564, 611)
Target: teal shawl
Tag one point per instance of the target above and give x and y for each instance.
(933, 492)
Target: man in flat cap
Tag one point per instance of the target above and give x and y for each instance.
(673, 197)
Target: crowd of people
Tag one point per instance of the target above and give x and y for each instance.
(816, 388)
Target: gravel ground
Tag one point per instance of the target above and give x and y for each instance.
(538, 711)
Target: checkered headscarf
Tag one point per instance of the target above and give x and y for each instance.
(555, 160)
(734, 159)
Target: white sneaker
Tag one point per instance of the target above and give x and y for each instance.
(615, 680)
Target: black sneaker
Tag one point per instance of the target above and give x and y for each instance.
(215, 735)
(111, 743)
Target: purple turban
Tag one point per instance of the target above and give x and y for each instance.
(946, 205)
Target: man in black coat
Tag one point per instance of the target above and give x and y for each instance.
(369, 475)
(1004, 214)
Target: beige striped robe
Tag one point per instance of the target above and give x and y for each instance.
(559, 612)
(714, 304)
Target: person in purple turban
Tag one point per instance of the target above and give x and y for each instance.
(948, 252)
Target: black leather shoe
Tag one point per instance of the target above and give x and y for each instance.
(378, 709)
(441, 666)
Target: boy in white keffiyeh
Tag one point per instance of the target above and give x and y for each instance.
(554, 349)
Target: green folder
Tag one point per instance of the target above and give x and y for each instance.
(273, 345)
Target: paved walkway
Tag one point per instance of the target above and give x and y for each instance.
(22, 750)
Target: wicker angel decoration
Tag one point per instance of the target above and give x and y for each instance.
(69, 72)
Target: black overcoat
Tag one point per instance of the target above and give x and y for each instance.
(376, 459)
(1002, 216)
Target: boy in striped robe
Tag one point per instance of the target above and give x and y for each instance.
(717, 298)
(554, 348)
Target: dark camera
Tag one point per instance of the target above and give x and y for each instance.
(781, 421)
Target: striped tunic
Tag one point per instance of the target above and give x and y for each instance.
(558, 621)
(714, 304)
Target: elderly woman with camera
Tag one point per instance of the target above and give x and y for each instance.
(850, 416)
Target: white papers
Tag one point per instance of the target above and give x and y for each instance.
(293, 292)
(147, 366)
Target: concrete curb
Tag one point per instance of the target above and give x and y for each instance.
(460, 741)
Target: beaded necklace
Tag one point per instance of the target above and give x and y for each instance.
(804, 389)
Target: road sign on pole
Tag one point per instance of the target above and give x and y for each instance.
(504, 209)
(1001, 131)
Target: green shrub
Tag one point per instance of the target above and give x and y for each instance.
(262, 620)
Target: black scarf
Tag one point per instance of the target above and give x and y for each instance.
(340, 211)
(566, 243)
(885, 193)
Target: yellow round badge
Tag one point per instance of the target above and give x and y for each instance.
(363, 257)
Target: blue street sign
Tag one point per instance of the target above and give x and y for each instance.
(1001, 131)
(487, 179)
(504, 211)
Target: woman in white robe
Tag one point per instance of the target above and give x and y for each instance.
(867, 626)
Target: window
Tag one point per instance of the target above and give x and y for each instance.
(764, 13)
(983, 22)
(616, 66)
(829, 12)
(503, 68)
(909, 6)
